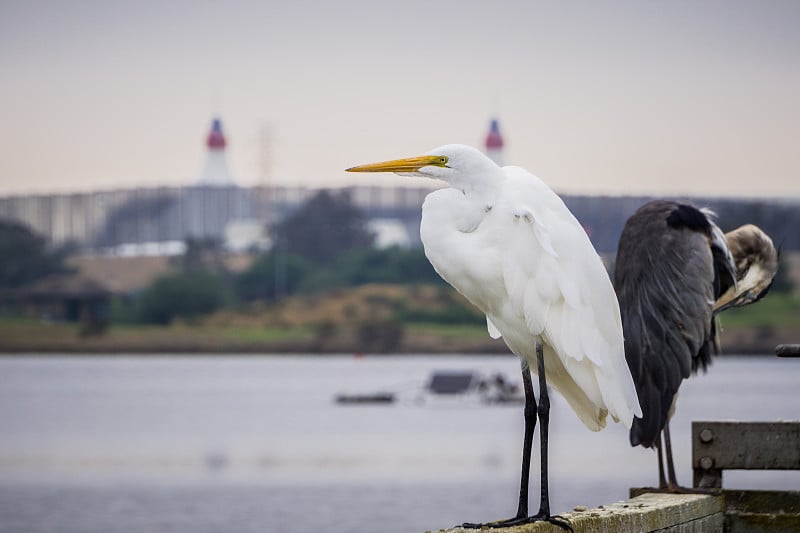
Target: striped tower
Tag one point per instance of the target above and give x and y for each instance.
(494, 143)
(216, 171)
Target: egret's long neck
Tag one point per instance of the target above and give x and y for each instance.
(459, 209)
(449, 211)
(450, 219)
(482, 185)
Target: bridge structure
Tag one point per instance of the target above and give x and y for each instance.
(107, 221)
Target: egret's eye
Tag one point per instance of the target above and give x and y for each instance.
(443, 160)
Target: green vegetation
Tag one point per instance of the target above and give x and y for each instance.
(451, 331)
(185, 295)
(267, 335)
(325, 226)
(25, 256)
(323, 287)
(453, 311)
(325, 245)
(272, 276)
(775, 309)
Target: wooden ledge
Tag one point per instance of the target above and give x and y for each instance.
(664, 513)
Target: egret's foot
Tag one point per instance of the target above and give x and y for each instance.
(518, 521)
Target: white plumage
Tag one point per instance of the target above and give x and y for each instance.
(512, 248)
(507, 242)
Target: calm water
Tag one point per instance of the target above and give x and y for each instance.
(246, 444)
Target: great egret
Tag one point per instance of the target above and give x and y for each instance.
(508, 243)
(674, 270)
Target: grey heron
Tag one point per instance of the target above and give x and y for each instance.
(674, 271)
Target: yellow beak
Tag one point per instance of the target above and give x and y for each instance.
(409, 164)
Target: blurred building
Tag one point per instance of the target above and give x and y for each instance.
(157, 221)
(62, 297)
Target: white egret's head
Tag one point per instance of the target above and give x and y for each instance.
(461, 166)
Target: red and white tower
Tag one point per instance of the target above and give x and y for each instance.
(216, 171)
(494, 143)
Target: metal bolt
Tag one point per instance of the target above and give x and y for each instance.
(706, 463)
(706, 435)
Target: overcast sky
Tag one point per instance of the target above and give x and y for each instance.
(667, 97)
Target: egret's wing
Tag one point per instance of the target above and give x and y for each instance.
(665, 284)
(493, 331)
(556, 280)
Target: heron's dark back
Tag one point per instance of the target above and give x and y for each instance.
(667, 276)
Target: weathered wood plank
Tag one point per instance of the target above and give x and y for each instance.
(714, 523)
(763, 501)
(663, 513)
(761, 523)
(762, 511)
(745, 446)
(718, 446)
(756, 511)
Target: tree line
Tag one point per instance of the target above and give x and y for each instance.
(324, 244)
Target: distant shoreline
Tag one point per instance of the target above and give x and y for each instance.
(741, 341)
(320, 327)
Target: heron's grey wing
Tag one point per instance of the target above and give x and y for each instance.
(664, 279)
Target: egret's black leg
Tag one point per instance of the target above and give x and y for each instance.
(527, 446)
(527, 443)
(544, 424)
(532, 410)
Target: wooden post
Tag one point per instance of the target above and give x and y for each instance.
(787, 350)
(718, 446)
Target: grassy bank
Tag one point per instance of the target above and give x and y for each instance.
(30, 336)
(367, 319)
